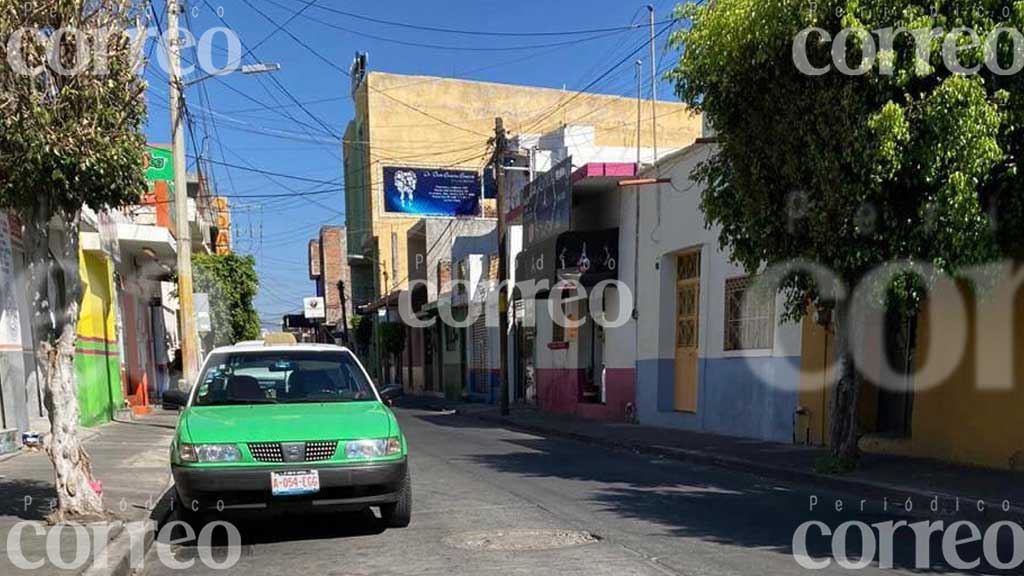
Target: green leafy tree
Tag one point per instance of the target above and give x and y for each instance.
(392, 337)
(71, 121)
(852, 171)
(231, 282)
(362, 333)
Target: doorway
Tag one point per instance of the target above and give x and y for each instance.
(687, 330)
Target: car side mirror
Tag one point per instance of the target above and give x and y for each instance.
(389, 393)
(175, 399)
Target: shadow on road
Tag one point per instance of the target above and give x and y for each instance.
(26, 499)
(275, 527)
(711, 504)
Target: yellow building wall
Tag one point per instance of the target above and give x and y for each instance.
(816, 378)
(97, 364)
(955, 421)
(442, 122)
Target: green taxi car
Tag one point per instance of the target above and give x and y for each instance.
(269, 426)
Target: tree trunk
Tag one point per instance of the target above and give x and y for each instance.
(846, 396)
(56, 288)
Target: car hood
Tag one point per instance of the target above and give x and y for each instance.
(288, 422)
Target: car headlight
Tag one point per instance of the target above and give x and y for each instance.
(209, 453)
(373, 448)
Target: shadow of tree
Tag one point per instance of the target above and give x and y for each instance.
(711, 504)
(26, 499)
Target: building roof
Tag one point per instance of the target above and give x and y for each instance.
(601, 175)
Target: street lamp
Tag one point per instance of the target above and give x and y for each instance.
(247, 69)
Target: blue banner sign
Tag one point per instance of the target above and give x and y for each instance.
(547, 208)
(431, 192)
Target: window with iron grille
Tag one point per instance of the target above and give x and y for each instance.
(749, 315)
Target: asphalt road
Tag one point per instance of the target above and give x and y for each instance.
(478, 487)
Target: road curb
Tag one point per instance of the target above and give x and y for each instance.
(86, 434)
(895, 494)
(118, 551)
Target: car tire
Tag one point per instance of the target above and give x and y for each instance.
(399, 514)
(187, 515)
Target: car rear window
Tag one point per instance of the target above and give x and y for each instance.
(276, 377)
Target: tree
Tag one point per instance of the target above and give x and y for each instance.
(232, 282)
(905, 161)
(70, 136)
(362, 334)
(392, 337)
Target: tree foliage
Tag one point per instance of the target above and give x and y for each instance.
(71, 119)
(362, 334)
(853, 171)
(231, 282)
(71, 140)
(392, 337)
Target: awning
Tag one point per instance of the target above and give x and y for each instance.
(155, 241)
(589, 255)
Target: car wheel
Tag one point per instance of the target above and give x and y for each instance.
(399, 514)
(187, 515)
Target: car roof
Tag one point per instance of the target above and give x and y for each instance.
(258, 346)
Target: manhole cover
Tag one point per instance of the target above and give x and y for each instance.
(505, 540)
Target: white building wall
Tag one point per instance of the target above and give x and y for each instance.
(745, 393)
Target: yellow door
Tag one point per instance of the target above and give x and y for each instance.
(687, 330)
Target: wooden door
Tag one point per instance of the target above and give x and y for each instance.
(687, 330)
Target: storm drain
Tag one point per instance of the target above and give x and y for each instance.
(520, 540)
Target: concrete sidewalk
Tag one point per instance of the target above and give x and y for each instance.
(129, 458)
(958, 488)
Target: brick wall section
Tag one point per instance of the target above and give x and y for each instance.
(334, 267)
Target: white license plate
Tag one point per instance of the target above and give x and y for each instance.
(294, 482)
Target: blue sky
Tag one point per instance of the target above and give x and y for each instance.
(231, 122)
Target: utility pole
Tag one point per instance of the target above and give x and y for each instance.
(344, 313)
(654, 89)
(636, 199)
(500, 148)
(189, 358)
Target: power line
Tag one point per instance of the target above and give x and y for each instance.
(597, 36)
(271, 173)
(334, 65)
(327, 128)
(306, 127)
(476, 32)
(607, 72)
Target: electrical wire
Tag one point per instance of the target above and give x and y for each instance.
(476, 32)
(272, 173)
(348, 74)
(561, 44)
(540, 121)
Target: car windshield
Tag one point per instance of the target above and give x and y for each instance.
(276, 377)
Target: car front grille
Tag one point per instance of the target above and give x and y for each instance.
(318, 451)
(266, 451)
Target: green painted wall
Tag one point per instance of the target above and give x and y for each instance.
(97, 367)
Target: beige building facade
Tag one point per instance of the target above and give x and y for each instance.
(445, 123)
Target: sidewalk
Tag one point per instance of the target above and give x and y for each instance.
(129, 458)
(877, 476)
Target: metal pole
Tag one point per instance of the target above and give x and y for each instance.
(654, 89)
(500, 145)
(344, 313)
(636, 221)
(189, 359)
